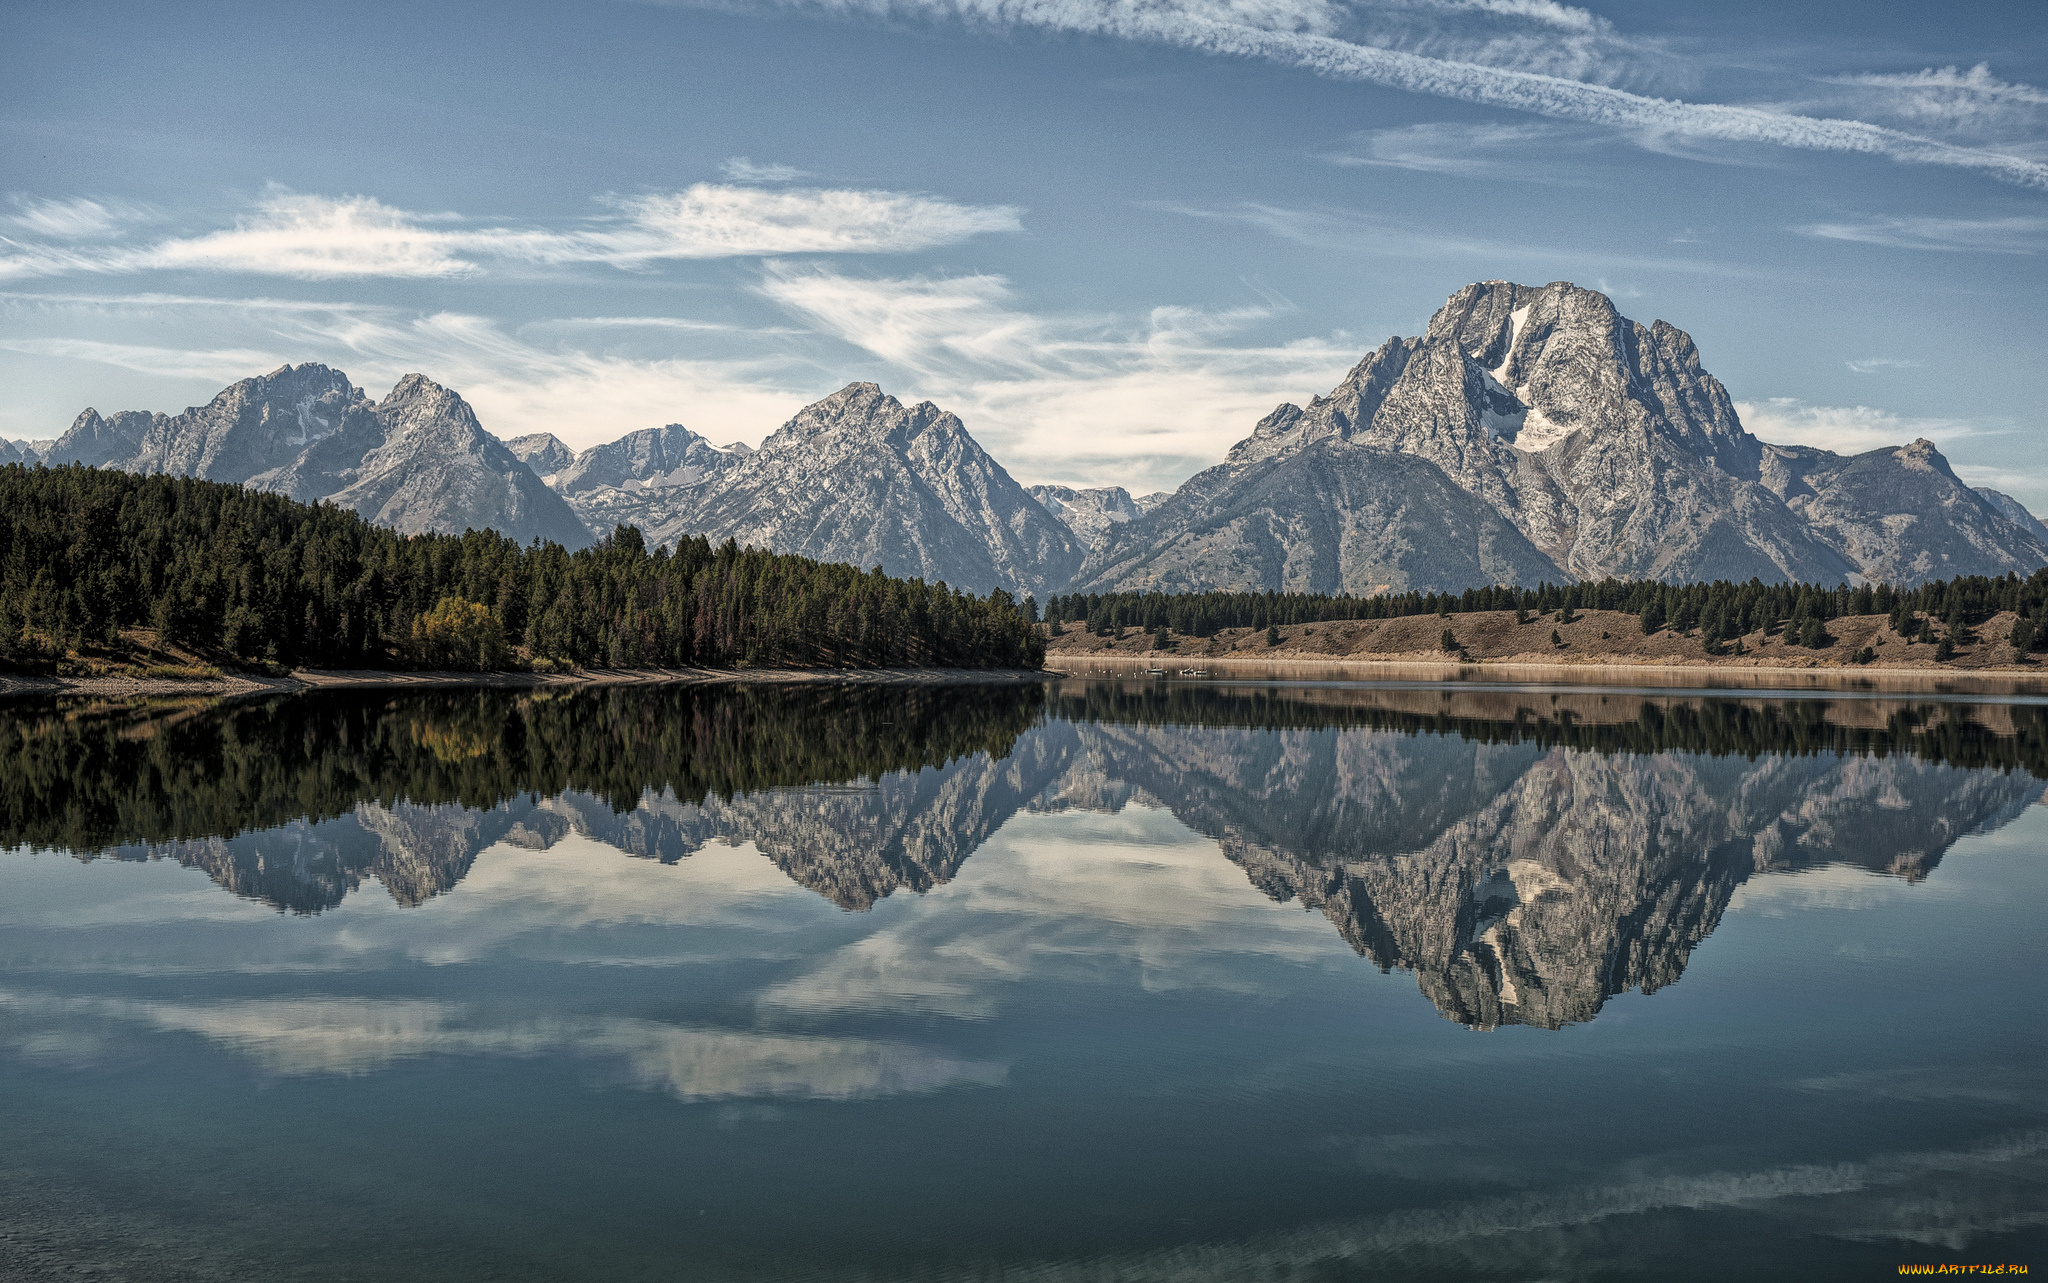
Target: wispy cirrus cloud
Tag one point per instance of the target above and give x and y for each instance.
(1527, 152)
(1875, 364)
(584, 384)
(1305, 34)
(1849, 429)
(1973, 101)
(2013, 234)
(74, 219)
(223, 364)
(742, 170)
(1138, 400)
(316, 237)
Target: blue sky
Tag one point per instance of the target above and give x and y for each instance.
(1109, 233)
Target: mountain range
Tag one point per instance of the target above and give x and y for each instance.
(416, 461)
(1530, 434)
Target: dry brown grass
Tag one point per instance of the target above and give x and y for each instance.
(1595, 637)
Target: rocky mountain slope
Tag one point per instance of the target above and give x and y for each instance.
(417, 461)
(1090, 513)
(1332, 517)
(2015, 512)
(644, 478)
(544, 452)
(28, 451)
(1602, 442)
(859, 477)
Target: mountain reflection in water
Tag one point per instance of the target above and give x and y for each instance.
(1527, 855)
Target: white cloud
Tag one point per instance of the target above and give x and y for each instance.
(1873, 364)
(1977, 81)
(2015, 234)
(1132, 401)
(224, 364)
(1354, 232)
(708, 221)
(919, 324)
(741, 170)
(1847, 429)
(1973, 101)
(1528, 152)
(1302, 35)
(75, 219)
(2027, 487)
(313, 237)
(322, 238)
(585, 392)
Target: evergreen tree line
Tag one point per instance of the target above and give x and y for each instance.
(1707, 726)
(1720, 610)
(99, 777)
(257, 577)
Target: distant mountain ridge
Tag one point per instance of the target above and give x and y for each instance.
(1531, 433)
(417, 461)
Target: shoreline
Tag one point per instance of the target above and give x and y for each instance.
(1060, 667)
(1699, 676)
(240, 685)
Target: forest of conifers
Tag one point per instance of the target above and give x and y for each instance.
(1720, 610)
(256, 578)
(253, 577)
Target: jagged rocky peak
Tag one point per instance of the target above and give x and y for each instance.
(1088, 513)
(1902, 515)
(418, 410)
(435, 468)
(100, 441)
(1605, 446)
(544, 452)
(653, 459)
(858, 414)
(1347, 411)
(1568, 360)
(254, 426)
(859, 477)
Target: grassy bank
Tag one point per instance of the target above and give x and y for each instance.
(1593, 637)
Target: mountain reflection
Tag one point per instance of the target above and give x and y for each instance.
(1527, 856)
(1528, 862)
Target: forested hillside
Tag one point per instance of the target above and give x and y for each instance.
(240, 576)
(1720, 611)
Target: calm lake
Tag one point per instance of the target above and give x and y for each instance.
(1103, 980)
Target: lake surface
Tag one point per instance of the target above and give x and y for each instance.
(1107, 980)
